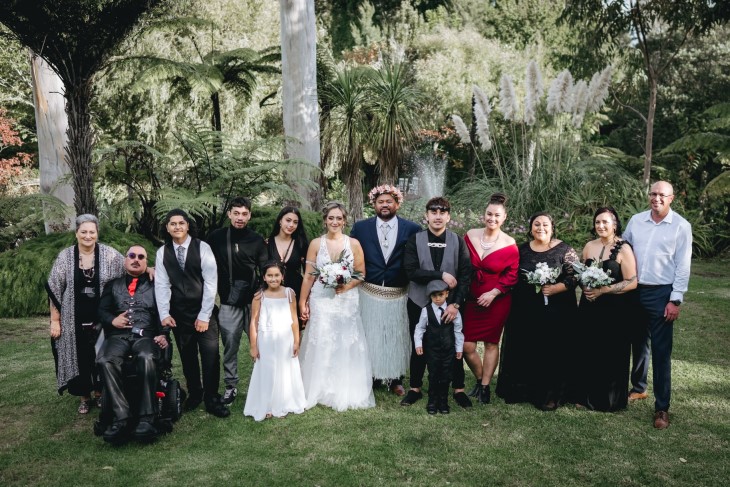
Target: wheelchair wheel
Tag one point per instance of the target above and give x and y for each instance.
(172, 403)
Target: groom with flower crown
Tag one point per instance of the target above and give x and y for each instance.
(383, 295)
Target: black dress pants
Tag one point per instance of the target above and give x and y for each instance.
(190, 344)
(418, 362)
(440, 353)
(111, 357)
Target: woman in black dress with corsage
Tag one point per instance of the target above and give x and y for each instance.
(605, 316)
(287, 243)
(535, 344)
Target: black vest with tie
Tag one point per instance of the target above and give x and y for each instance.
(186, 286)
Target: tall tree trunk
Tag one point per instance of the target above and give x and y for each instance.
(80, 144)
(299, 93)
(215, 100)
(649, 142)
(51, 126)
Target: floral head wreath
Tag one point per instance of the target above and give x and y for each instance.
(385, 189)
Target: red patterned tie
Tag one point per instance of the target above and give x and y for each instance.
(132, 286)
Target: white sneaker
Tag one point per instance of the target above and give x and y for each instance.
(229, 395)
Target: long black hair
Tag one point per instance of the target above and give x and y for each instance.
(299, 235)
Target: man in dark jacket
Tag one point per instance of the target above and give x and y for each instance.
(128, 313)
(237, 280)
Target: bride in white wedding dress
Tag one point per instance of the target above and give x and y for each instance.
(336, 369)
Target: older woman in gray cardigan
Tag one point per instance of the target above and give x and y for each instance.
(77, 279)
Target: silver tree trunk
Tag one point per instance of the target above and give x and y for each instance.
(299, 94)
(51, 126)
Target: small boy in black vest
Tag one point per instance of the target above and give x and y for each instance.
(443, 343)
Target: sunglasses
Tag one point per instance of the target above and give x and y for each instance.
(439, 208)
(133, 256)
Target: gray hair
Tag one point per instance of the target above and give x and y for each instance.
(333, 205)
(87, 217)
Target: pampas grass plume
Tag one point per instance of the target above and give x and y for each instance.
(533, 92)
(482, 127)
(461, 129)
(598, 89)
(482, 99)
(580, 96)
(507, 99)
(559, 95)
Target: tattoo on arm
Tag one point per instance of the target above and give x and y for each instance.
(617, 288)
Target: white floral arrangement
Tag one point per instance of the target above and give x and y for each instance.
(339, 272)
(593, 276)
(394, 191)
(543, 274)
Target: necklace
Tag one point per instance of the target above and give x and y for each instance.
(385, 231)
(488, 245)
(88, 273)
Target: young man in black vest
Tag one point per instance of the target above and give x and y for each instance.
(128, 313)
(237, 282)
(185, 284)
(436, 253)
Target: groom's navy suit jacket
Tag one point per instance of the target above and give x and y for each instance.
(377, 271)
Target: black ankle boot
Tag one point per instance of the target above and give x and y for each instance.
(486, 395)
(431, 407)
(477, 390)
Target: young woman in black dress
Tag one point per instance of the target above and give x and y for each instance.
(288, 243)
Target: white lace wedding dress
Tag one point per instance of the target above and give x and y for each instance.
(334, 359)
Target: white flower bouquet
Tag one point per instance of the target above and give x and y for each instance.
(339, 272)
(543, 274)
(592, 276)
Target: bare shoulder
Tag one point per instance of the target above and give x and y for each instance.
(355, 243)
(509, 240)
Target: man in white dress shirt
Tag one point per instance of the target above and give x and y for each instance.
(185, 286)
(662, 242)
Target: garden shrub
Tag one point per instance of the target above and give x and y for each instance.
(24, 271)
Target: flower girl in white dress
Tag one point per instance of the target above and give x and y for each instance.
(276, 382)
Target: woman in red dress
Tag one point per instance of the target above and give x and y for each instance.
(495, 260)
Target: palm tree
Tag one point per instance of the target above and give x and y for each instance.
(345, 128)
(392, 101)
(76, 38)
(210, 73)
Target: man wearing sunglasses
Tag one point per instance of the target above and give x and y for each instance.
(662, 242)
(436, 254)
(128, 313)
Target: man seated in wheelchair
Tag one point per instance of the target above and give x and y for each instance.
(128, 313)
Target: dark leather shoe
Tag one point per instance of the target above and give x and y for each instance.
(411, 398)
(217, 409)
(145, 432)
(431, 406)
(661, 420)
(116, 433)
(443, 404)
(398, 390)
(462, 400)
(193, 401)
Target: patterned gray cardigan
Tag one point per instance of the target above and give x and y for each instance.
(61, 291)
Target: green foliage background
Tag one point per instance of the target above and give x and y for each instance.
(24, 271)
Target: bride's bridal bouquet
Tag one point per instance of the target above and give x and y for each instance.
(339, 272)
(592, 276)
(543, 274)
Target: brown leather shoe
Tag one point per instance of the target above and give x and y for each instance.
(635, 396)
(661, 420)
(398, 390)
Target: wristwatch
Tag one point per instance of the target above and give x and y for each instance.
(456, 305)
(676, 302)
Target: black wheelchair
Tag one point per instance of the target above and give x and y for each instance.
(170, 396)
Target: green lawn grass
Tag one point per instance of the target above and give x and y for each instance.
(43, 441)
